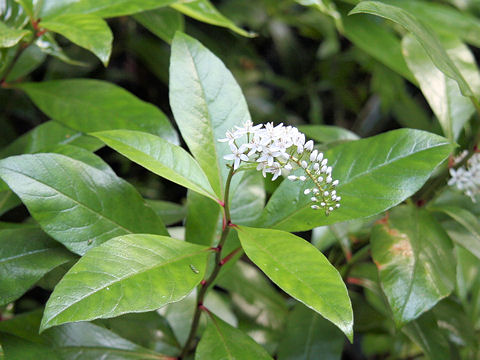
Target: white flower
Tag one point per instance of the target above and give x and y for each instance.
(467, 178)
(283, 148)
(237, 155)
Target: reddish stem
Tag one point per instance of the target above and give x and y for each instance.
(354, 281)
(229, 256)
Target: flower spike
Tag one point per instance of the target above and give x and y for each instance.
(280, 148)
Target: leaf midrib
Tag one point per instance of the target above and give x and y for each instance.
(72, 199)
(204, 96)
(29, 253)
(99, 109)
(280, 264)
(116, 280)
(194, 186)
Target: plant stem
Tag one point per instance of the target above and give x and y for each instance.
(218, 264)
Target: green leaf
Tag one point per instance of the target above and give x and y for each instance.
(308, 335)
(8, 200)
(88, 31)
(378, 42)
(27, 6)
(445, 20)
(77, 204)
(451, 108)
(131, 273)
(91, 105)
(104, 8)
(301, 271)
(13, 14)
(10, 37)
(160, 157)
(47, 136)
(425, 333)
(156, 332)
(247, 198)
(169, 212)
(222, 341)
(375, 174)
(423, 34)
(204, 216)
(203, 10)
(468, 221)
(327, 133)
(415, 260)
(30, 59)
(26, 254)
(77, 341)
(453, 320)
(203, 220)
(163, 22)
(206, 102)
(47, 44)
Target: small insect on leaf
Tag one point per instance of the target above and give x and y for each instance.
(194, 269)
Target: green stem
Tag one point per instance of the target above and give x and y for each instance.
(218, 265)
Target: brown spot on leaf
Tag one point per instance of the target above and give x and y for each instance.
(402, 246)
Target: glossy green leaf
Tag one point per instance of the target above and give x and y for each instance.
(28, 6)
(444, 19)
(308, 335)
(203, 220)
(47, 44)
(77, 204)
(422, 34)
(415, 260)
(206, 102)
(375, 174)
(131, 273)
(46, 136)
(26, 254)
(159, 156)
(455, 323)
(378, 42)
(8, 200)
(301, 271)
(88, 31)
(91, 105)
(452, 109)
(10, 37)
(77, 341)
(169, 212)
(104, 8)
(221, 341)
(247, 198)
(163, 22)
(468, 221)
(30, 59)
(13, 14)
(327, 133)
(425, 333)
(203, 10)
(151, 323)
(204, 216)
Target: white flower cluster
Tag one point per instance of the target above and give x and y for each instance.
(467, 178)
(277, 148)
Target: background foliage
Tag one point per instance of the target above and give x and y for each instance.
(389, 90)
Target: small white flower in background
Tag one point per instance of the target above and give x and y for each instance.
(277, 148)
(467, 178)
